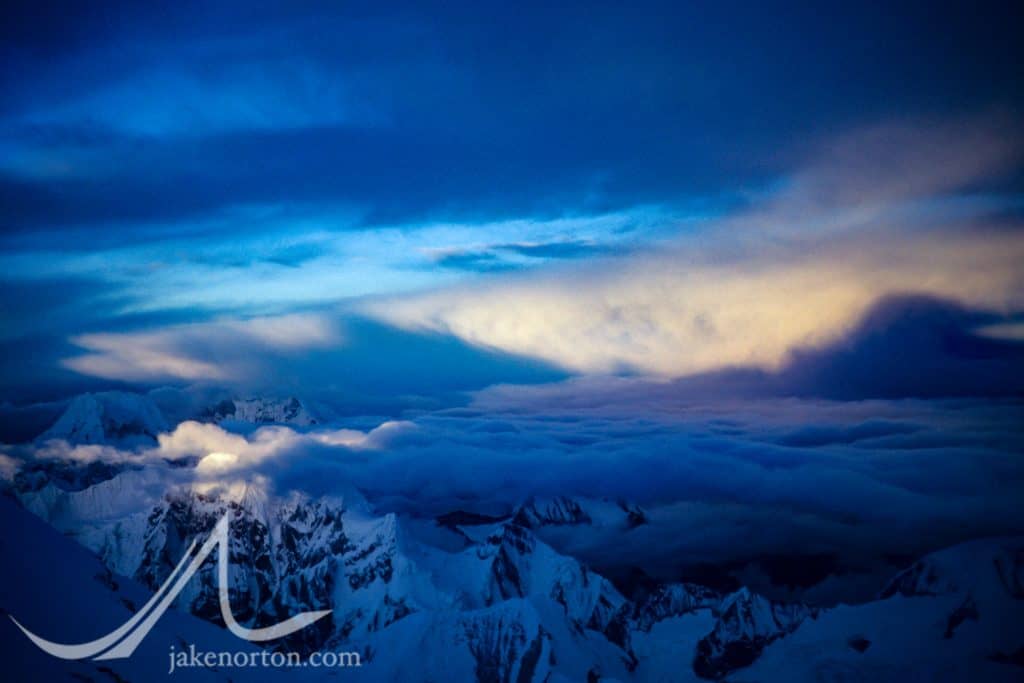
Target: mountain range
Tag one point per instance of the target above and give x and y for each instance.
(466, 596)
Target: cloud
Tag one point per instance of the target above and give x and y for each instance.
(909, 346)
(8, 467)
(499, 257)
(685, 314)
(903, 347)
(295, 331)
(479, 261)
(874, 175)
(797, 270)
(228, 451)
(137, 358)
(199, 351)
(721, 480)
(219, 452)
(1012, 331)
(363, 368)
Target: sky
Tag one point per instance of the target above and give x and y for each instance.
(757, 268)
(192, 193)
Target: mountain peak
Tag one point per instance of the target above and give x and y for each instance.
(108, 417)
(261, 410)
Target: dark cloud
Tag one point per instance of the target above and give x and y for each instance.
(380, 370)
(294, 255)
(400, 176)
(368, 368)
(512, 256)
(453, 111)
(904, 347)
(911, 346)
(813, 436)
(476, 261)
(560, 250)
(22, 301)
(19, 423)
(39, 315)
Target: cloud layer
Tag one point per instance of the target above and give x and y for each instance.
(799, 269)
(721, 481)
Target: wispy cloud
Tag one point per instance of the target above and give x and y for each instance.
(201, 351)
(137, 358)
(511, 256)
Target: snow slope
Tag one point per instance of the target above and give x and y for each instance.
(60, 591)
(504, 605)
(956, 615)
(112, 417)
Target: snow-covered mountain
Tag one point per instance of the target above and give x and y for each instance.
(495, 601)
(746, 623)
(504, 605)
(112, 417)
(955, 615)
(259, 410)
(128, 420)
(294, 553)
(61, 591)
(568, 511)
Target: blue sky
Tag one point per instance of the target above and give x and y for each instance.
(518, 193)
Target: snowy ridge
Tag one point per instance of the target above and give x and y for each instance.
(955, 570)
(260, 410)
(569, 511)
(113, 417)
(673, 600)
(974, 630)
(59, 590)
(129, 420)
(507, 606)
(746, 623)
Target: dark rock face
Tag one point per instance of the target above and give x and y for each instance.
(218, 411)
(452, 520)
(798, 570)
(746, 624)
(921, 579)
(292, 409)
(715, 660)
(507, 548)
(65, 475)
(1010, 569)
(557, 511)
(271, 575)
(1015, 658)
(967, 610)
(500, 646)
(673, 600)
(258, 411)
(860, 643)
(635, 516)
